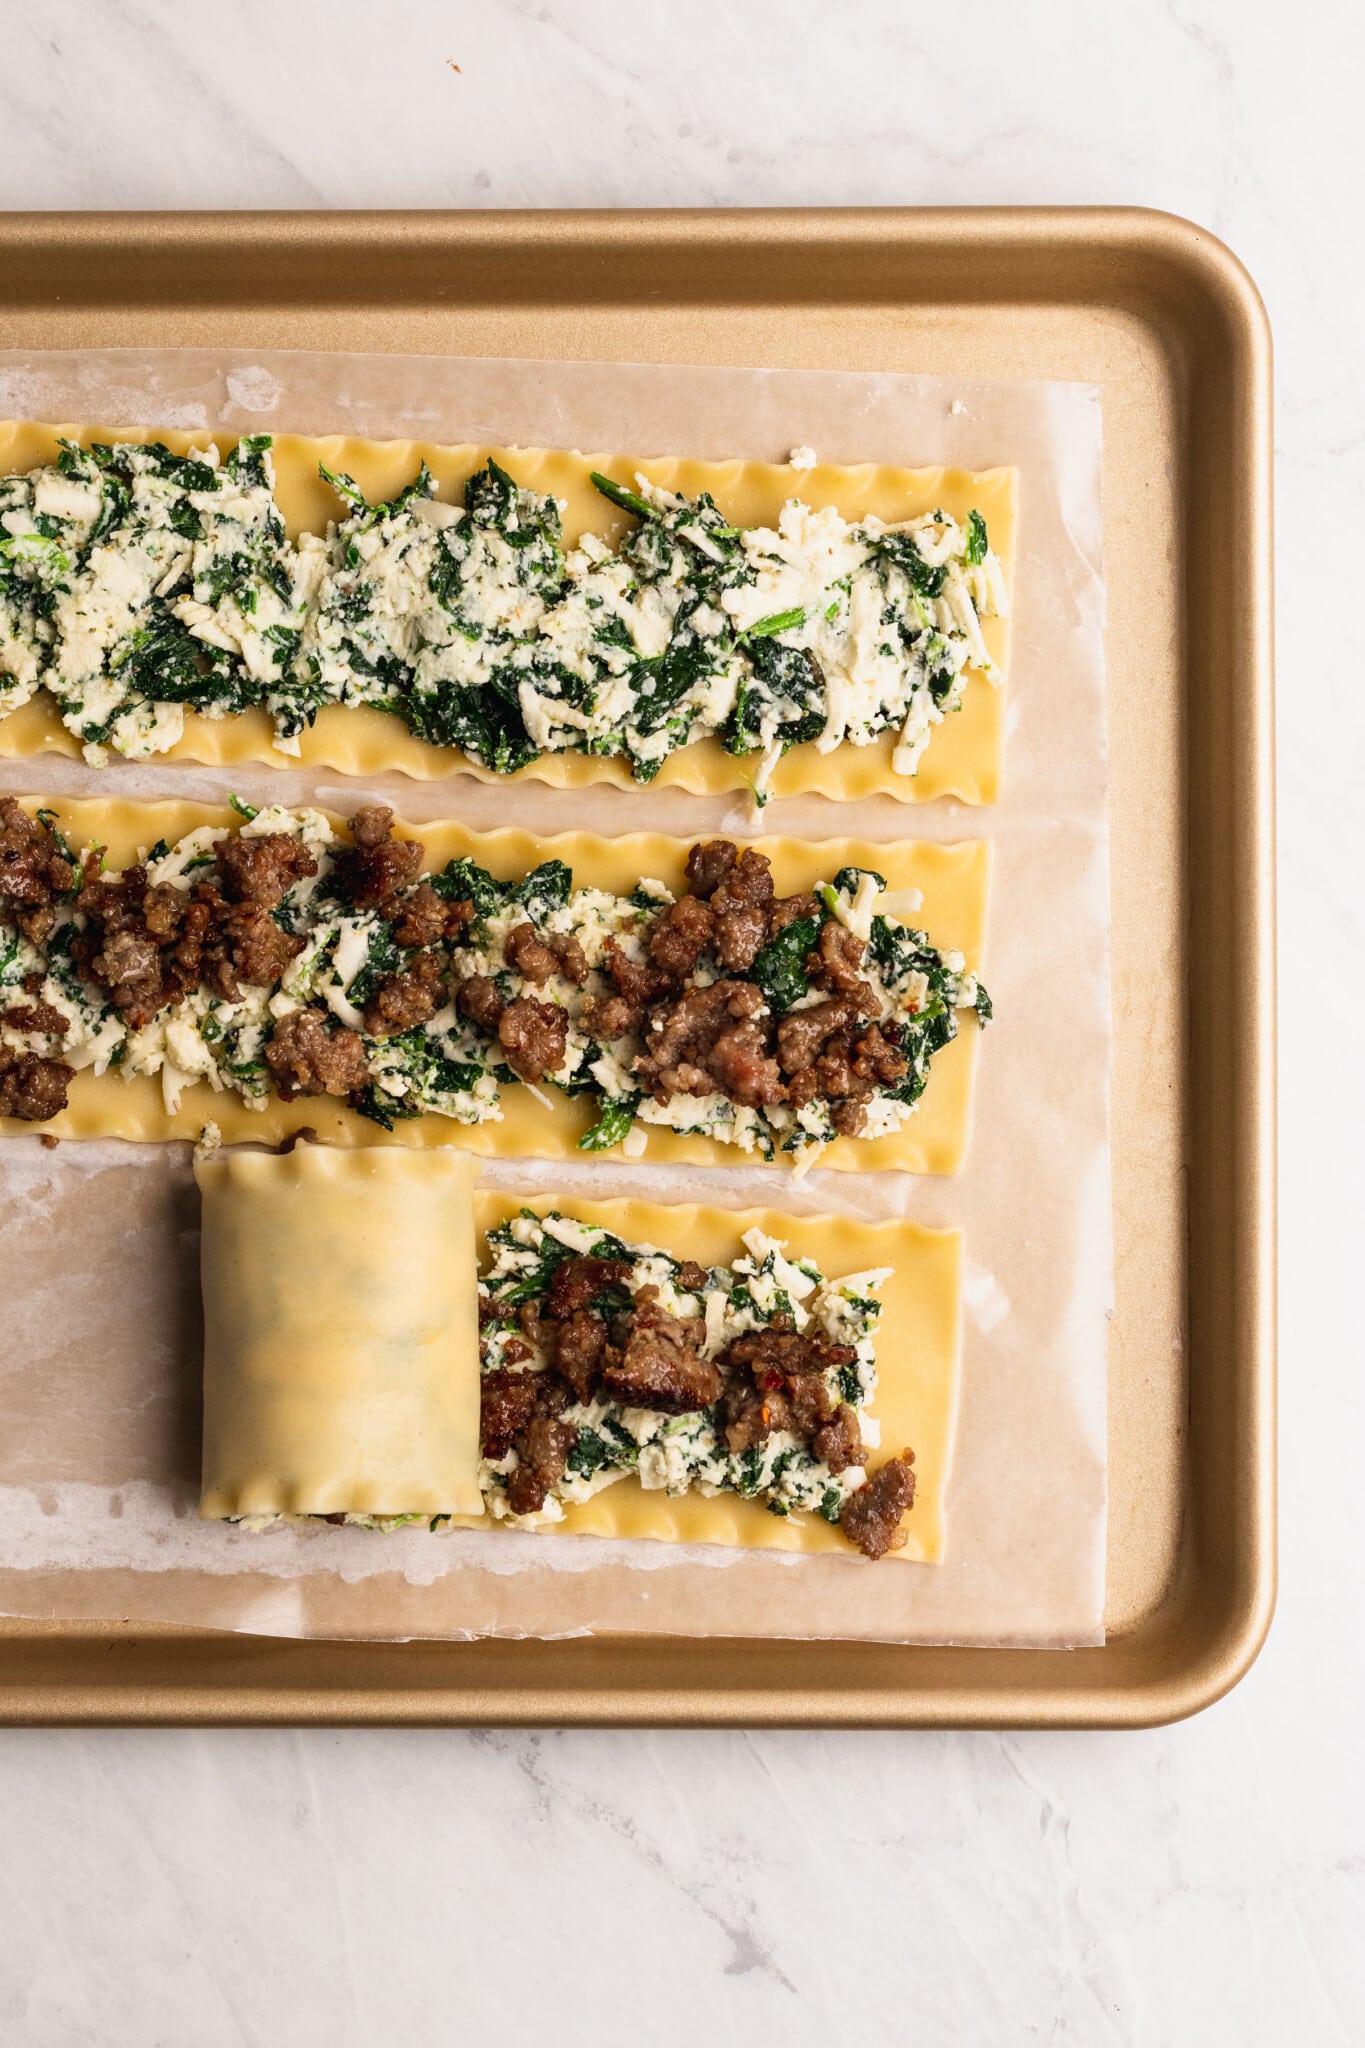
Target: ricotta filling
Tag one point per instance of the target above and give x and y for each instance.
(135, 584)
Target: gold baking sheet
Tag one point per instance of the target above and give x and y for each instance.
(963, 756)
(1163, 319)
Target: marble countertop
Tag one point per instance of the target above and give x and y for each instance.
(1202, 1884)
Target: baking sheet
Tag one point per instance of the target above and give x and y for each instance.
(98, 1386)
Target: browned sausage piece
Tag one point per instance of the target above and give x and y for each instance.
(837, 958)
(260, 951)
(871, 1517)
(370, 870)
(786, 1351)
(478, 999)
(680, 936)
(424, 918)
(659, 1365)
(742, 1067)
(260, 868)
(44, 1017)
(749, 883)
(507, 1401)
(31, 1087)
(740, 936)
(608, 1017)
(534, 1036)
(307, 1057)
(709, 862)
(578, 1282)
(528, 954)
(839, 1443)
(787, 909)
(579, 1345)
(407, 998)
(34, 871)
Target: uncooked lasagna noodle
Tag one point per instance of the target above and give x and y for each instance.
(340, 1333)
(326, 1391)
(963, 753)
(943, 887)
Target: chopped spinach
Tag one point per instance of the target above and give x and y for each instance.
(791, 676)
(900, 952)
(749, 1474)
(545, 889)
(612, 1125)
(525, 519)
(780, 969)
(850, 1385)
(628, 501)
(164, 663)
(776, 622)
(484, 723)
(900, 551)
(848, 880)
(464, 881)
(249, 463)
(382, 959)
(48, 817)
(590, 1453)
(384, 1110)
(364, 514)
(663, 681)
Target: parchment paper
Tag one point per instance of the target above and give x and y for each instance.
(99, 1365)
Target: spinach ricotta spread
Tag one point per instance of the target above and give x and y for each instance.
(134, 583)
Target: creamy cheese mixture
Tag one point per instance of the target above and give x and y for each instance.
(676, 1453)
(134, 582)
(450, 1066)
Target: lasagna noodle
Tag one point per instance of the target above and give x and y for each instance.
(917, 1344)
(341, 1337)
(963, 756)
(952, 880)
(295, 1423)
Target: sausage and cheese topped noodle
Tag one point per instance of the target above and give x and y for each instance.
(280, 960)
(601, 1360)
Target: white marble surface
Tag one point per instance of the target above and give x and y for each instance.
(1204, 1884)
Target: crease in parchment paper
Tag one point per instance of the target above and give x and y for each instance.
(99, 1395)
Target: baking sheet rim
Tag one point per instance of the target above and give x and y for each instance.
(1161, 250)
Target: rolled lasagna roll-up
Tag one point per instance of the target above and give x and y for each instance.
(341, 1350)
